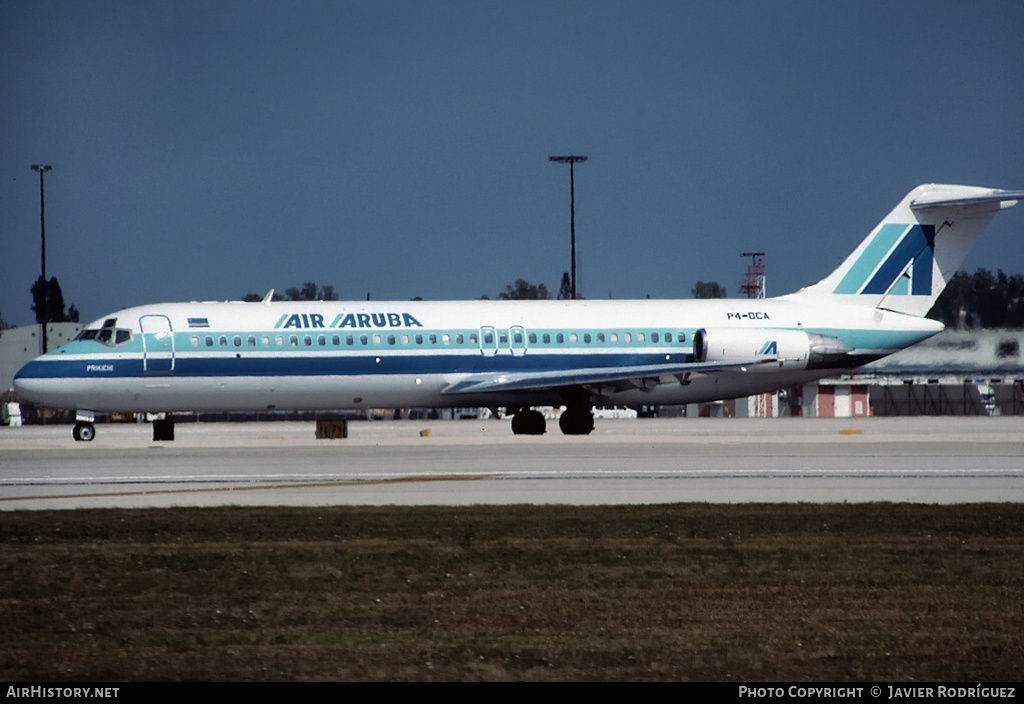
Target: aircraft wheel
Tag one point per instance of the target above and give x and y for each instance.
(576, 420)
(526, 422)
(84, 432)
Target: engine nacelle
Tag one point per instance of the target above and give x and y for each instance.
(770, 348)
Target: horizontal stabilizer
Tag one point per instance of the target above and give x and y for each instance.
(942, 200)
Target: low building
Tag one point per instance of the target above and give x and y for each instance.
(19, 346)
(979, 372)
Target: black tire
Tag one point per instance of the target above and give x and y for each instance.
(576, 420)
(84, 432)
(527, 422)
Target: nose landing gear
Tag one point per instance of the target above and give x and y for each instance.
(84, 432)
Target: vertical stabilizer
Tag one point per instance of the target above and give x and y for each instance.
(906, 261)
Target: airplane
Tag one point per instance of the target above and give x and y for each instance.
(518, 355)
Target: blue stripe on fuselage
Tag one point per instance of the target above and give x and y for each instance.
(327, 364)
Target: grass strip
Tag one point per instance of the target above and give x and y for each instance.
(746, 592)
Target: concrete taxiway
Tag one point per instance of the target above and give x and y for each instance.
(923, 459)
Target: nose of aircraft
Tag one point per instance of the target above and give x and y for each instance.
(29, 382)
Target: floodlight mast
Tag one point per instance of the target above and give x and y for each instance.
(42, 169)
(571, 161)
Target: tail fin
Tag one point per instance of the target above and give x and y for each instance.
(904, 264)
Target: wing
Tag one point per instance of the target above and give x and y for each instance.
(643, 376)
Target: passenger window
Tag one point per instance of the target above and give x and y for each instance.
(532, 337)
(640, 337)
(223, 341)
(308, 340)
(419, 339)
(294, 340)
(614, 336)
(280, 340)
(322, 340)
(266, 340)
(336, 340)
(600, 337)
(195, 340)
(573, 337)
(433, 338)
(405, 339)
(238, 340)
(668, 337)
(391, 339)
(627, 336)
(350, 340)
(472, 338)
(547, 338)
(654, 337)
(209, 342)
(363, 340)
(586, 337)
(559, 338)
(376, 338)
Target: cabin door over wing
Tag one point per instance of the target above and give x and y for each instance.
(488, 340)
(157, 344)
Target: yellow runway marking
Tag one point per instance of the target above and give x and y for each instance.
(310, 485)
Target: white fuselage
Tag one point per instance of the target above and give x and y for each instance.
(238, 356)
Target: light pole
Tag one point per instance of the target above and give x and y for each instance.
(571, 161)
(42, 169)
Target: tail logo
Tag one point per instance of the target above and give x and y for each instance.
(898, 260)
(770, 347)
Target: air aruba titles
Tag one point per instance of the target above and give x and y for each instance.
(348, 320)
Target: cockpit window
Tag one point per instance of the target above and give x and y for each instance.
(108, 335)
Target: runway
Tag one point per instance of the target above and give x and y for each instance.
(924, 459)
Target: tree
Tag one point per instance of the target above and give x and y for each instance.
(309, 292)
(522, 290)
(708, 289)
(981, 300)
(565, 288)
(48, 303)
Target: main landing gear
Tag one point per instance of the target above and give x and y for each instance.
(575, 420)
(527, 422)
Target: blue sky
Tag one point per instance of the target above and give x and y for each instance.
(205, 150)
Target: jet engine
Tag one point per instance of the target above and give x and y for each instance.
(770, 348)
